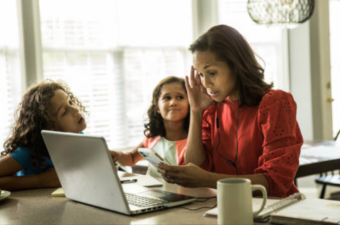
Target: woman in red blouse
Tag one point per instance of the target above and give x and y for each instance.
(240, 126)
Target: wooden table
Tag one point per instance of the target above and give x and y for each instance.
(38, 207)
(318, 157)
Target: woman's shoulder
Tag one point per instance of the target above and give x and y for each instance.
(209, 114)
(210, 110)
(274, 97)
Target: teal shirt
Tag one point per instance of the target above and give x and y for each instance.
(23, 156)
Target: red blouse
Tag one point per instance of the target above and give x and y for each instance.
(269, 140)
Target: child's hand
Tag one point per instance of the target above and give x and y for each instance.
(49, 178)
(115, 155)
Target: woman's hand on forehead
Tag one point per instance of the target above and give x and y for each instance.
(198, 98)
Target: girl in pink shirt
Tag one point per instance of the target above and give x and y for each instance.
(167, 129)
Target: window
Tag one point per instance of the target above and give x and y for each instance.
(334, 18)
(267, 42)
(10, 67)
(112, 53)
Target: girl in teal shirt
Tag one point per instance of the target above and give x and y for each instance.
(25, 162)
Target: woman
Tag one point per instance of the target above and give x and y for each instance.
(239, 126)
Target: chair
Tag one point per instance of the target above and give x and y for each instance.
(325, 179)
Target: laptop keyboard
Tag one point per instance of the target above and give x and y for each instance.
(142, 201)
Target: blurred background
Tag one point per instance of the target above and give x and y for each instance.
(112, 53)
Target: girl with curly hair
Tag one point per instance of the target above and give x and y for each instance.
(167, 129)
(25, 162)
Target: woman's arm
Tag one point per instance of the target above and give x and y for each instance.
(282, 142)
(129, 158)
(193, 176)
(199, 101)
(195, 152)
(8, 181)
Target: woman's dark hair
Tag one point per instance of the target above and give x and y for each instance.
(155, 126)
(33, 115)
(230, 47)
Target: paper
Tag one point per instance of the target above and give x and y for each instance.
(311, 210)
(4, 194)
(321, 151)
(58, 193)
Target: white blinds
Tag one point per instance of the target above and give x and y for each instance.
(265, 41)
(334, 18)
(10, 67)
(112, 53)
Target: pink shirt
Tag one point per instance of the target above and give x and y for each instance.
(269, 140)
(172, 151)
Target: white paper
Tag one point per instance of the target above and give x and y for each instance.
(313, 209)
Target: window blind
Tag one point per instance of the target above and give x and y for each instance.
(265, 41)
(112, 55)
(10, 67)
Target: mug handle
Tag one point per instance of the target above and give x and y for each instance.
(264, 194)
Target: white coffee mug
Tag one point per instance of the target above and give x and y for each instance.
(234, 201)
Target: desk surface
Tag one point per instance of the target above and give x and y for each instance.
(318, 157)
(38, 207)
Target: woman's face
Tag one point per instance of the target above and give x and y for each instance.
(67, 115)
(173, 102)
(216, 76)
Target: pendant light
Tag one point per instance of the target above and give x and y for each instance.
(281, 12)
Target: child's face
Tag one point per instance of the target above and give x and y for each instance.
(173, 102)
(67, 115)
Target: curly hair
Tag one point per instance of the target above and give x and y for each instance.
(155, 126)
(231, 47)
(33, 115)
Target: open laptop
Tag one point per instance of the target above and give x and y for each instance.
(88, 175)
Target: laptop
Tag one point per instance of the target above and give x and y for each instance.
(88, 175)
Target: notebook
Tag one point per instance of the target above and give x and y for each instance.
(88, 175)
(307, 211)
(296, 209)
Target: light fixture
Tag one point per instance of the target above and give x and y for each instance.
(282, 12)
